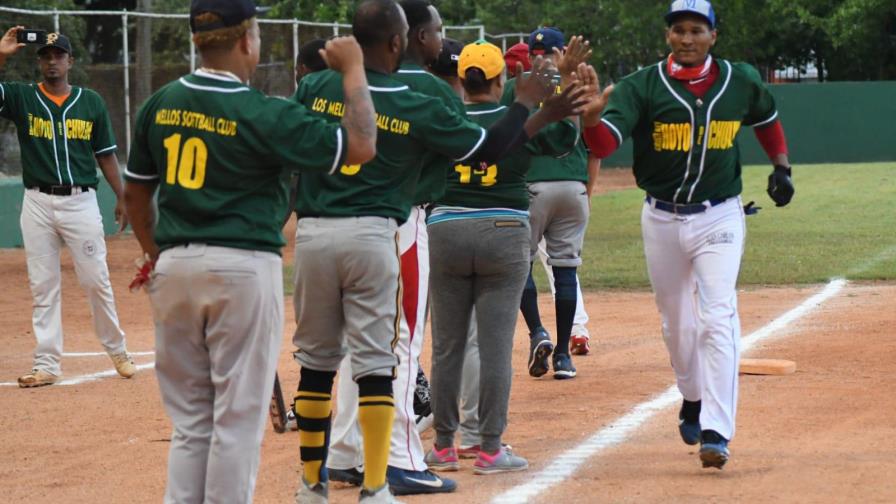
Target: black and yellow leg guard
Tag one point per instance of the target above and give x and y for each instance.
(312, 407)
(376, 410)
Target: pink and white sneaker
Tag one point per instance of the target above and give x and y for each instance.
(499, 462)
(442, 460)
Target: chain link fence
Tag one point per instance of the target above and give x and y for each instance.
(126, 56)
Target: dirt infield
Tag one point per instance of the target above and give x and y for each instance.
(823, 434)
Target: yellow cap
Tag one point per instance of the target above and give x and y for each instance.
(482, 55)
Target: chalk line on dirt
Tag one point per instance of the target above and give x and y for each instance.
(619, 430)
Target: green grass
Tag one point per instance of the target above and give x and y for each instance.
(841, 222)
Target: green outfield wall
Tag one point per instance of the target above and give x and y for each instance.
(834, 122)
(11, 193)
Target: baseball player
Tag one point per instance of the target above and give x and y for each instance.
(309, 60)
(480, 257)
(218, 152)
(64, 132)
(684, 114)
(558, 212)
(348, 284)
(407, 472)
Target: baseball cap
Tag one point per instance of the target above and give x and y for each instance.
(482, 55)
(57, 40)
(544, 40)
(446, 63)
(230, 12)
(518, 53)
(700, 7)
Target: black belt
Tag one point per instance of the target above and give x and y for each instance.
(688, 209)
(61, 190)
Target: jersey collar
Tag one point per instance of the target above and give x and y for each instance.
(380, 82)
(683, 91)
(411, 67)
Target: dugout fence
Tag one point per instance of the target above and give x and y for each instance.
(108, 45)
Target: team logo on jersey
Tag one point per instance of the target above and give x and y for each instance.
(52, 38)
(89, 248)
(678, 136)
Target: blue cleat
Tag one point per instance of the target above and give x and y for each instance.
(540, 349)
(407, 482)
(713, 449)
(689, 422)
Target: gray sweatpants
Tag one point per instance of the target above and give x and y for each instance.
(348, 294)
(558, 212)
(219, 319)
(481, 263)
(469, 391)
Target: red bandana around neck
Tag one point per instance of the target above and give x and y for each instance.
(679, 72)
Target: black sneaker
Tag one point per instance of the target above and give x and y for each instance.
(689, 422)
(563, 368)
(540, 348)
(351, 476)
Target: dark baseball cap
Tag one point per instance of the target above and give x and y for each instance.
(57, 40)
(446, 63)
(701, 8)
(544, 40)
(231, 12)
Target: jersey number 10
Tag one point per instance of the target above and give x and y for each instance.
(186, 167)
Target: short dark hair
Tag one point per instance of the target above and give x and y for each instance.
(309, 55)
(417, 12)
(376, 22)
(474, 81)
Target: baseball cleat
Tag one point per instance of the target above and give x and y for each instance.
(442, 460)
(350, 476)
(37, 378)
(124, 364)
(407, 482)
(540, 348)
(579, 344)
(713, 449)
(499, 462)
(689, 422)
(381, 495)
(307, 494)
(563, 368)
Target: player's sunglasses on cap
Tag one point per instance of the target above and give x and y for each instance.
(58, 41)
(482, 55)
(700, 7)
(543, 41)
(227, 13)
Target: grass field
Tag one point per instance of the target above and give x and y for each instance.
(841, 216)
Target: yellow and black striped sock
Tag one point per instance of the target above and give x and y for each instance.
(376, 410)
(312, 407)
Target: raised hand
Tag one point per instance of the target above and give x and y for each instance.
(597, 99)
(534, 87)
(568, 103)
(343, 54)
(577, 51)
(8, 44)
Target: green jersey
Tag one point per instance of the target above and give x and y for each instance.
(503, 184)
(218, 148)
(409, 125)
(435, 167)
(548, 168)
(685, 148)
(59, 142)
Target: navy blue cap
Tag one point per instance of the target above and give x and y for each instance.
(700, 7)
(57, 40)
(446, 64)
(544, 40)
(230, 12)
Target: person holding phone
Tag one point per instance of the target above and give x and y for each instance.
(64, 132)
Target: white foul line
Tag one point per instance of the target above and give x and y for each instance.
(569, 461)
(85, 378)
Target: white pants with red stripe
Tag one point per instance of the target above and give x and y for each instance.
(407, 450)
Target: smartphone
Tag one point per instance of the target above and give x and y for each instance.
(31, 37)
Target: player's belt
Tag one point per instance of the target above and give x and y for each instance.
(62, 190)
(689, 209)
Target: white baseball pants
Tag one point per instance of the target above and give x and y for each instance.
(407, 449)
(49, 222)
(693, 262)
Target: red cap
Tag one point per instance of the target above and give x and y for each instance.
(519, 52)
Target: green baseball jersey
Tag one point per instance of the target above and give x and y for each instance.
(59, 143)
(218, 150)
(685, 148)
(409, 125)
(431, 185)
(503, 184)
(547, 168)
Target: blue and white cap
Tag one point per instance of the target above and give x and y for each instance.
(699, 7)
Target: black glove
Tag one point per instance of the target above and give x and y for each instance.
(780, 185)
(751, 208)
